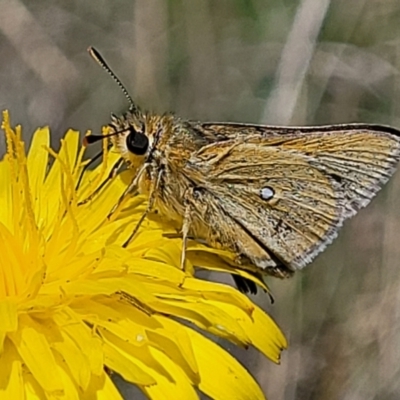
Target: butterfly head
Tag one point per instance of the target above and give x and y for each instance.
(131, 136)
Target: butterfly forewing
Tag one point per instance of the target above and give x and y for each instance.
(314, 179)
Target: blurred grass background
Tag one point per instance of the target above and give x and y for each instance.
(277, 62)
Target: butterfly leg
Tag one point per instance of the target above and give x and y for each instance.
(111, 175)
(185, 233)
(85, 168)
(152, 197)
(178, 235)
(131, 189)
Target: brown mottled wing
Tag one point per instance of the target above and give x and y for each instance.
(318, 178)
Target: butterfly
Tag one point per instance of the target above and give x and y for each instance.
(274, 196)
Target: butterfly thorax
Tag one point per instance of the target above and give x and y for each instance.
(176, 144)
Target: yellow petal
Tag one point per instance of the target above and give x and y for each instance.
(37, 163)
(182, 339)
(109, 391)
(129, 367)
(75, 360)
(178, 389)
(70, 390)
(177, 346)
(139, 356)
(6, 217)
(8, 316)
(35, 352)
(15, 389)
(89, 344)
(219, 292)
(265, 335)
(208, 317)
(11, 380)
(222, 377)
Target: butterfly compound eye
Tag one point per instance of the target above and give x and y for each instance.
(137, 143)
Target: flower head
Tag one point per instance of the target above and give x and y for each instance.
(76, 304)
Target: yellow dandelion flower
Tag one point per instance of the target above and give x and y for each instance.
(75, 304)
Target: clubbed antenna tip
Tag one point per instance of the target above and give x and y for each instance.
(87, 140)
(100, 60)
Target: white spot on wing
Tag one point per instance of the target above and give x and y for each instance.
(267, 193)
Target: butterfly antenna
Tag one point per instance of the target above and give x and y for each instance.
(100, 60)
